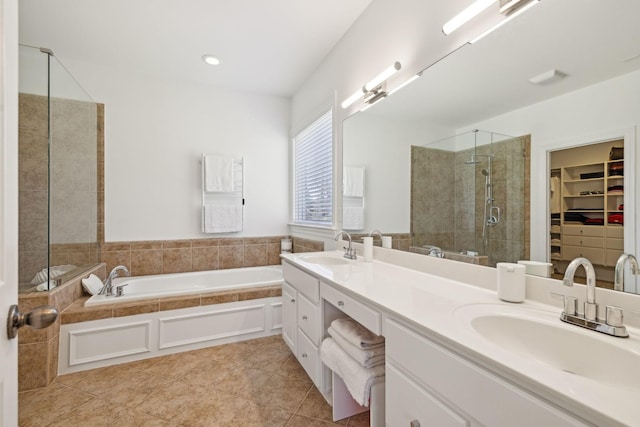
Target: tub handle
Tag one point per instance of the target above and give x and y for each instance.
(119, 290)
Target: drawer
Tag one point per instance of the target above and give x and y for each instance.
(616, 232)
(583, 230)
(309, 319)
(611, 257)
(303, 282)
(593, 242)
(309, 357)
(289, 315)
(361, 313)
(615, 244)
(595, 255)
(473, 390)
(407, 403)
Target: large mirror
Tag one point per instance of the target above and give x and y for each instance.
(473, 104)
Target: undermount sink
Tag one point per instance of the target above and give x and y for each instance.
(540, 335)
(324, 260)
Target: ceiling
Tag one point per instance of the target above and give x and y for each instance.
(587, 39)
(267, 47)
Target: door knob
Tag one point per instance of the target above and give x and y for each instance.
(38, 318)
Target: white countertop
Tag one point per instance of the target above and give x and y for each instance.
(434, 305)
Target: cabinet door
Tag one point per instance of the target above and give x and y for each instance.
(289, 315)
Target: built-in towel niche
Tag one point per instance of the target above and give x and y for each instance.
(353, 198)
(222, 193)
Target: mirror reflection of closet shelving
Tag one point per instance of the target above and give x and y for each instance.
(591, 200)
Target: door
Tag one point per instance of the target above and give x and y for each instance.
(8, 208)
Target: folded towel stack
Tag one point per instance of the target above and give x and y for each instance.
(356, 355)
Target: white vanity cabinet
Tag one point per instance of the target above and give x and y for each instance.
(301, 328)
(427, 384)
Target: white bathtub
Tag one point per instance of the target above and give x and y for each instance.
(179, 284)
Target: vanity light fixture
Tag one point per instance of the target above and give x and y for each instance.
(374, 90)
(372, 101)
(466, 15)
(522, 8)
(210, 59)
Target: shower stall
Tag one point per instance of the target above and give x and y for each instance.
(469, 195)
(59, 155)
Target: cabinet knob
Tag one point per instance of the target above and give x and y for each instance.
(340, 303)
(304, 317)
(414, 423)
(293, 300)
(304, 355)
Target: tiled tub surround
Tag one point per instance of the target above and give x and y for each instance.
(38, 348)
(180, 256)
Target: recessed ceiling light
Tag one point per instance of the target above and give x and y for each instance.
(210, 59)
(548, 77)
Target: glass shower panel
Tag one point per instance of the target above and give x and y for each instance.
(33, 159)
(73, 203)
(58, 149)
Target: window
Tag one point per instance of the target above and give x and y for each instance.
(313, 173)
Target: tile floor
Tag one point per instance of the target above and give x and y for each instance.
(252, 383)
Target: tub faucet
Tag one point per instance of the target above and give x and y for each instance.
(107, 289)
(349, 253)
(613, 321)
(434, 251)
(618, 277)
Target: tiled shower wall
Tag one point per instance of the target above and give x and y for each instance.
(433, 198)
(448, 198)
(77, 159)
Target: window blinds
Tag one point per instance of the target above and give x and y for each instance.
(313, 172)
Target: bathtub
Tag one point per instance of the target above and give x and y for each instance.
(181, 284)
(120, 334)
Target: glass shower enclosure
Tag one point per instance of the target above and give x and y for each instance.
(58, 172)
(469, 196)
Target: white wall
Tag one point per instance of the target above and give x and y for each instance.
(155, 132)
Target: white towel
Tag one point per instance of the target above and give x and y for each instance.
(365, 357)
(358, 379)
(353, 218)
(92, 284)
(353, 181)
(55, 271)
(357, 334)
(223, 218)
(46, 286)
(218, 173)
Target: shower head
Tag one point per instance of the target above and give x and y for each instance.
(485, 172)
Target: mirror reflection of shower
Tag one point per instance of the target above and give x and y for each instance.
(491, 212)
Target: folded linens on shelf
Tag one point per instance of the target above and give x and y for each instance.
(366, 357)
(356, 334)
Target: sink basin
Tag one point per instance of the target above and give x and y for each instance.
(325, 260)
(540, 335)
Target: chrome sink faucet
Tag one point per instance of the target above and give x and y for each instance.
(613, 321)
(374, 232)
(349, 252)
(618, 277)
(107, 289)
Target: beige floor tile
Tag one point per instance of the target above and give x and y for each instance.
(360, 420)
(282, 392)
(300, 421)
(137, 419)
(43, 406)
(316, 407)
(170, 401)
(249, 383)
(293, 369)
(95, 413)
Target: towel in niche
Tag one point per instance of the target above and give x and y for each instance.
(365, 357)
(356, 334)
(357, 378)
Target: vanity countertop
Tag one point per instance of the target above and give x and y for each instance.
(441, 309)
